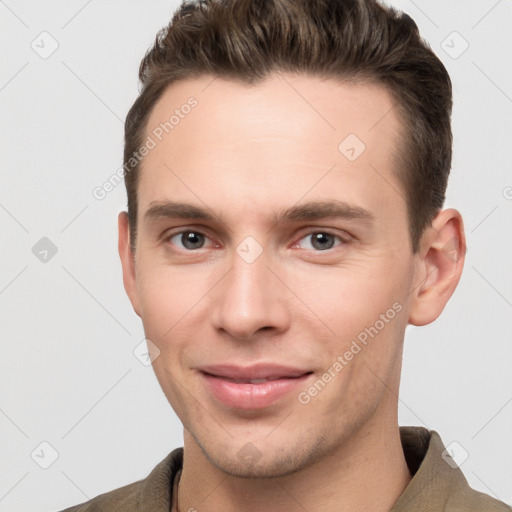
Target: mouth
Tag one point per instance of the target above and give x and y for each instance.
(248, 381)
(251, 388)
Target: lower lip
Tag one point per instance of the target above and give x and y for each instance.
(249, 396)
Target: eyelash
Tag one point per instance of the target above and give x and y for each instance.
(341, 241)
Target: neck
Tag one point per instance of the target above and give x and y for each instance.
(368, 472)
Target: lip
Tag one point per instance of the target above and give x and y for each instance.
(221, 382)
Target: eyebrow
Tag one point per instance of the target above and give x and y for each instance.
(310, 211)
(316, 210)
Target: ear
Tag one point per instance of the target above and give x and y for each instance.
(127, 261)
(440, 262)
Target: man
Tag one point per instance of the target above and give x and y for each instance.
(286, 164)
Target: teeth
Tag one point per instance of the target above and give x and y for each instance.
(253, 381)
(250, 381)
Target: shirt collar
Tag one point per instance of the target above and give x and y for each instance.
(436, 476)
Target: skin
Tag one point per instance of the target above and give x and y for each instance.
(246, 154)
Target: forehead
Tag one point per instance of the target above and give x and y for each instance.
(290, 133)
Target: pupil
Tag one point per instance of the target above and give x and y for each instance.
(322, 241)
(192, 240)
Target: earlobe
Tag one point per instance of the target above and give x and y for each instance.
(441, 260)
(127, 261)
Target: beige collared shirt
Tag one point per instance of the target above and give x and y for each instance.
(437, 483)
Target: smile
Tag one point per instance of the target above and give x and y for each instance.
(252, 388)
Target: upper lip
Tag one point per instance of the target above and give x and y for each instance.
(257, 371)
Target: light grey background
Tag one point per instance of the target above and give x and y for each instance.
(68, 373)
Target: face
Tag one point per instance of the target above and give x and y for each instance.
(273, 266)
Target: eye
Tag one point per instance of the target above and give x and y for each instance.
(319, 241)
(189, 240)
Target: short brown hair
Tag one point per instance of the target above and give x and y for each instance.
(361, 40)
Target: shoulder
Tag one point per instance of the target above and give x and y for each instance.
(438, 483)
(460, 497)
(475, 501)
(152, 493)
(124, 498)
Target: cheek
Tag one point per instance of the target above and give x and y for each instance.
(167, 295)
(349, 299)
(175, 310)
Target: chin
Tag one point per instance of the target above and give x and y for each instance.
(270, 462)
(272, 468)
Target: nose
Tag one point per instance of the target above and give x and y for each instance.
(250, 300)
